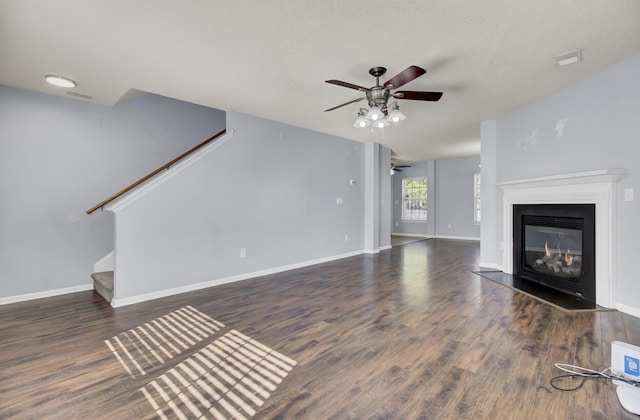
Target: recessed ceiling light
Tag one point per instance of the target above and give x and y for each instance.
(60, 81)
(570, 57)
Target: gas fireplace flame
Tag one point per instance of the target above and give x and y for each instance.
(568, 257)
(547, 251)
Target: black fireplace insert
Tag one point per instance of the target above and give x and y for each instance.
(554, 245)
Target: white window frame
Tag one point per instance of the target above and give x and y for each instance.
(417, 214)
(477, 185)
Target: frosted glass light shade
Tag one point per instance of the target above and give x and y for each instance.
(395, 116)
(375, 114)
(381, 123)
(361, 121)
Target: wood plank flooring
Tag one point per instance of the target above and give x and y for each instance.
(408, 333)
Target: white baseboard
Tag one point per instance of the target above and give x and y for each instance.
(629, 310)
(490, 265)
(459, 238)
(413, 235)
(384, 248)
(45, 294)
(198, 286)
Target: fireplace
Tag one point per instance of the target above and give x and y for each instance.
(554, 245)
(597, 188)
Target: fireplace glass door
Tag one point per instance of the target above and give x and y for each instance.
(555, 252)
(554, 245)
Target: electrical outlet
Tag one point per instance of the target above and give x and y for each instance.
(243, 252)
(449, 225)
(338, 200)
(346, 237)
(628, 194)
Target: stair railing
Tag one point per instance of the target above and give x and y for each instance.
(160, 169)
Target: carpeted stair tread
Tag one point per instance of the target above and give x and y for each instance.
(103, 284)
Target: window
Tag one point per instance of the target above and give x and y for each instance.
(414, 199)
(476, 197)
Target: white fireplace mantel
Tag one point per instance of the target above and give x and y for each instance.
(594, 187)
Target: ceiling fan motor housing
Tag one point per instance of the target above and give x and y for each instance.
(378, 96)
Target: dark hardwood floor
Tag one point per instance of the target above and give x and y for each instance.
(408, 333)
(403, 240)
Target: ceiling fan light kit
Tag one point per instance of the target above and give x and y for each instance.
(361, 120)
(380, 114)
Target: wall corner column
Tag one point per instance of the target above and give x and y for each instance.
(490, 254)
(372, 198)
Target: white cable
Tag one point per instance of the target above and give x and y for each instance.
(581, 371)
(589, 373)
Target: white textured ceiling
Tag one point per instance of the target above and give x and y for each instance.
(271, 58)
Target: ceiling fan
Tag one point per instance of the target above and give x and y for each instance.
(379, 95)
(398, 168)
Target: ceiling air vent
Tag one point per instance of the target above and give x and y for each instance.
(570, 57)
(79, 95)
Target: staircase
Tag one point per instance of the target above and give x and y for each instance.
(103, 270)
(103, 276)
(103, 284)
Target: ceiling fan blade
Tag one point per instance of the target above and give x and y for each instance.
(347, 85)
(346, 103)
(404, 77)
(401, 166)
(417, 96)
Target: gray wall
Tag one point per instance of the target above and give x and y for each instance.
(454, 198)
(59, 157)
(590, 125)
(271, 189)
(450, 199)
